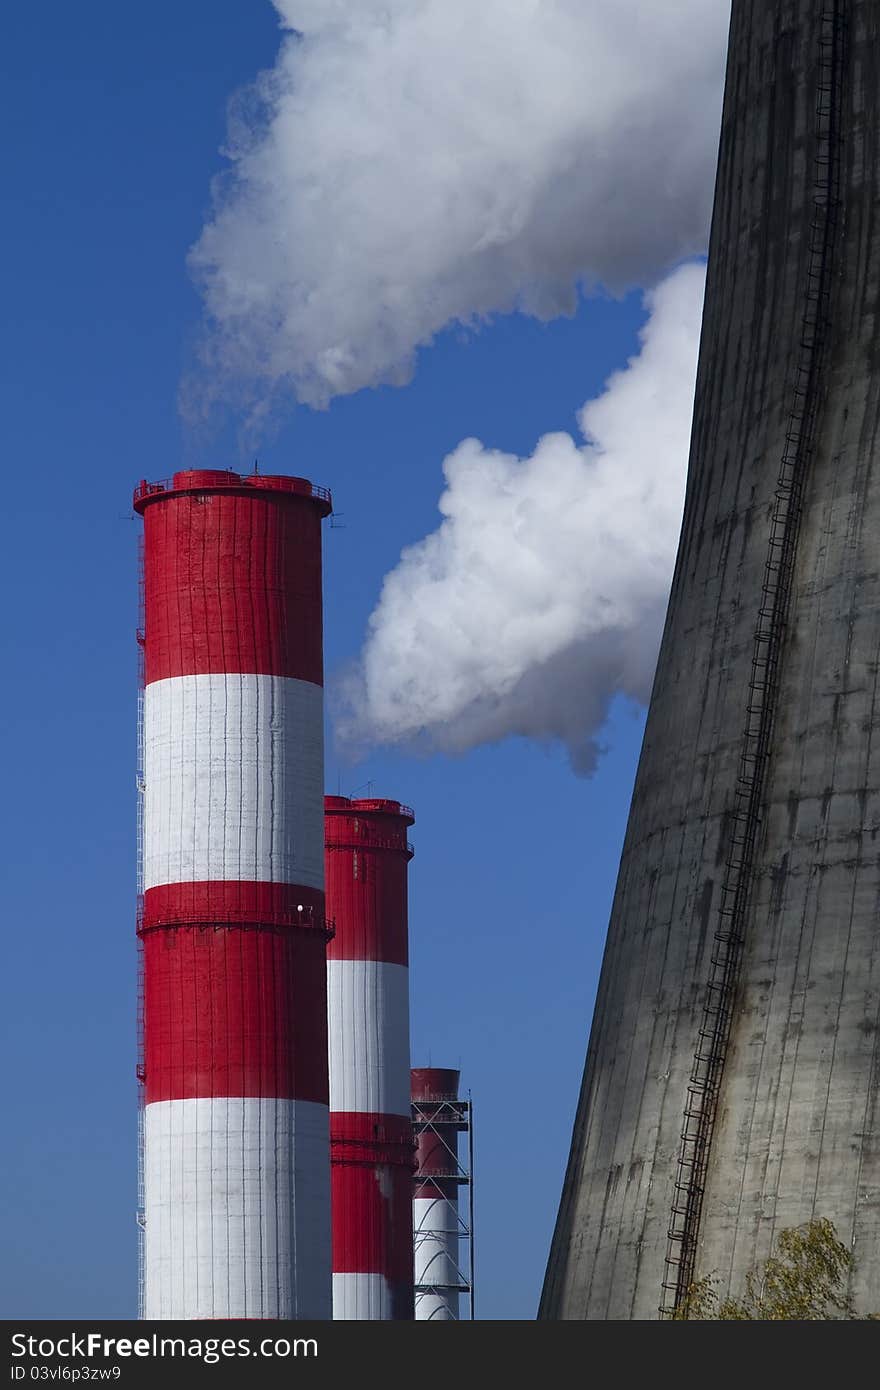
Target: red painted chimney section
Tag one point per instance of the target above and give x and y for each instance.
(367, 857)
(236, 1143)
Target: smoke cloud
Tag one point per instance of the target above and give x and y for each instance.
(408, 164)
(542, 593)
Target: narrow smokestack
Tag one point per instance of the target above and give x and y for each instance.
(442, 1233)
(367, 856)
(236, 1145)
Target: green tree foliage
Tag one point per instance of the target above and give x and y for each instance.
(803, 1280)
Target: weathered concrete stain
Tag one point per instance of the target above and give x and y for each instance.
(798, 1129)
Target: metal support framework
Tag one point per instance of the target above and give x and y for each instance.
(448, 1229)
(714, 1032)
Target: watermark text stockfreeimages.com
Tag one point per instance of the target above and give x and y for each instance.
(94, 1345)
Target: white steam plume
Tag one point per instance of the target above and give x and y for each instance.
(542, 593)
(412, 163)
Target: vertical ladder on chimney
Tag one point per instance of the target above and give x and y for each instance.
(714, 1032)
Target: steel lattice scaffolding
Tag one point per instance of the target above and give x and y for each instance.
(444, 1223)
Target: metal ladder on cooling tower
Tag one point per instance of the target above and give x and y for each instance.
(714, 1033)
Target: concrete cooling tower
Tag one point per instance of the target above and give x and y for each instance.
(731, 1082)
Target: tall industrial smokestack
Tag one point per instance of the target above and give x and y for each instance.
(443, 1226)
(730, 1088)
(371, 1141)
(236, 1143)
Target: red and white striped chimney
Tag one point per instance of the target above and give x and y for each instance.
(236, 1145)
(438, 1117)
(371, 1139)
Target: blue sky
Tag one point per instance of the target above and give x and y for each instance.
(118, 117)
